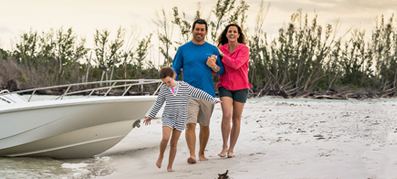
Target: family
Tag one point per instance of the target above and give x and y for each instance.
(191, 101)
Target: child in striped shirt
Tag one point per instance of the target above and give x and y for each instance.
(176, 94)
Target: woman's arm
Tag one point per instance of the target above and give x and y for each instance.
(240, 60)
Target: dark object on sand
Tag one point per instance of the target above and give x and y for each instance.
(223, 175)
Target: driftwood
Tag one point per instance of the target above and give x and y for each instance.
(343, 94)
(389, 93)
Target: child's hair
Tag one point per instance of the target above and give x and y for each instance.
(166, 72)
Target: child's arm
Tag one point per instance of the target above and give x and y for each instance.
(157, 105)
(147, 120)
(202, 94)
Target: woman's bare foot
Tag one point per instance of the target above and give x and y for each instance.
(158, 163)
(202, 158)
(191, 160)
(223, 153)
(230, 155)
(170, 170)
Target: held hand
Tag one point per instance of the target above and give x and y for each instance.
(211, 62)
(147, 121)
(220, 52)
(219, 101)
(214, 57)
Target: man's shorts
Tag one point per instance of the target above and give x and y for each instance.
(199, 111)
(238, 95)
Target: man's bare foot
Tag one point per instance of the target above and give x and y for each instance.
(158, 163)
(170, 170)
(202, 158)
(191, 160)
(223, 153)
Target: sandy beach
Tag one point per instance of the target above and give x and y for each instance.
(279, 138)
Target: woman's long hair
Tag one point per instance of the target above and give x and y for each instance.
(222, 40)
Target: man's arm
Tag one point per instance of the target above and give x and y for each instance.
(177, 65)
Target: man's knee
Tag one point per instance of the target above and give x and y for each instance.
(191, 127)
(204, 128)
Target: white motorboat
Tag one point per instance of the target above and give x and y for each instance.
(69, 128)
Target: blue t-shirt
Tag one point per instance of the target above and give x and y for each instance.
(192, 59)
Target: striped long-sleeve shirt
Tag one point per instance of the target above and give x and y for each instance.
(175, 111)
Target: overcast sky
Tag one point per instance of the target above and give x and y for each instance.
(85, 16)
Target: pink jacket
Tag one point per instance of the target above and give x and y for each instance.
(236, 68)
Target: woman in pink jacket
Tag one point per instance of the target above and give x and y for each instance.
(233, 85)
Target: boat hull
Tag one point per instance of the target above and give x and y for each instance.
(69, 128)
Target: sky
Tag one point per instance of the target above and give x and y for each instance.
(85, 16)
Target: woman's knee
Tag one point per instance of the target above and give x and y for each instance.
(236, 119)
(227, 116)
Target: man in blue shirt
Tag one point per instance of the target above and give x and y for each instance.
(192, 57)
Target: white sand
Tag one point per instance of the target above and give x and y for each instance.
(279, 139)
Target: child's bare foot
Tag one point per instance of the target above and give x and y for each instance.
(191, 160)
(158, 163)
(223, 153)
(202, 158)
